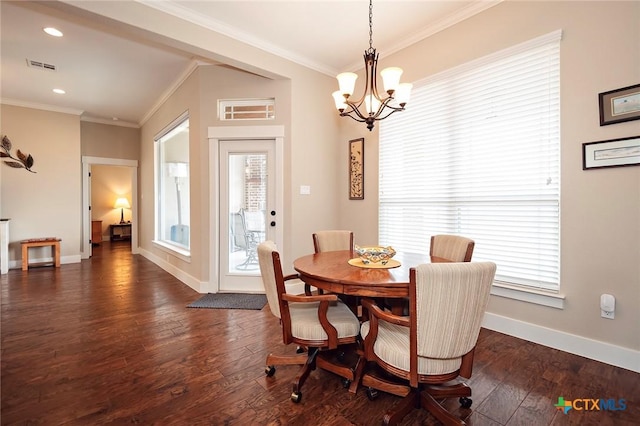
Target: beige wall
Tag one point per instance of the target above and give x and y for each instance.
(314, 150)
(109, 141)
(185, 98)
(46, 203)
(600, 223)
(108, 183)
(308, 154)
(600, 209)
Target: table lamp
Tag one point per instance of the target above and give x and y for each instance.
(122, 203)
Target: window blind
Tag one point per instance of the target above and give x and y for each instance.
(476, 154)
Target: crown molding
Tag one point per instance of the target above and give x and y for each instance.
(191, 67)
(110, 122)
(44, 107)
(173, 8)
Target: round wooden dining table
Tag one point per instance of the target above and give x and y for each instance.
(331, 271)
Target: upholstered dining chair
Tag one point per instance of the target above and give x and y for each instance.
(454, 248)
(448, 248)
(332, 240)
(319, 323)
(435, 344)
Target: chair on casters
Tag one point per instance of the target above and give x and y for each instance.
(435, 344)
(452, 247)
(320, 323)
(330, 241)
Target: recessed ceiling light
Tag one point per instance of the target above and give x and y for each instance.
(59, 91)
(53, 31)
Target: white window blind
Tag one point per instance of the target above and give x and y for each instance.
(476, 154)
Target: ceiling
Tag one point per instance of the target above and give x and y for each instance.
(113, 78)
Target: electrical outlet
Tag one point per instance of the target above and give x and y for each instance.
(607, 315)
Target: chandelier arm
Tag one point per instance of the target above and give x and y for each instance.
(359, 118)
(390, 112)
(353, 108)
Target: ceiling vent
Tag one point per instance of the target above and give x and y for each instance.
(40, 65)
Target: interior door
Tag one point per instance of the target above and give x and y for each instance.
(248, 216)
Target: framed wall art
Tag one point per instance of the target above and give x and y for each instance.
(611, 153)
(356, 169)
(617, 106)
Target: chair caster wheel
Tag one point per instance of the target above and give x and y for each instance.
(299, 350)
(372, 394)
(465, 402)
(346, 383)
(270, 370)
(296, 397)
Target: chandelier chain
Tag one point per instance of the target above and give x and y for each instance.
(370, 25)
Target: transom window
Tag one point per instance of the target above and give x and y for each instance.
(246, 109)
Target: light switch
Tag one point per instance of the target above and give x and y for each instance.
(305, 190)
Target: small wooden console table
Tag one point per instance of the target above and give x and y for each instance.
(120, 231)
(54, 243)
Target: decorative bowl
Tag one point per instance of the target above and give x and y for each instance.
(375, 254)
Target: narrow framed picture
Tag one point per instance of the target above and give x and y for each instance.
(356, 169)
(617, 106)
(611, 153)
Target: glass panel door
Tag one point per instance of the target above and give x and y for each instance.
(245, 191)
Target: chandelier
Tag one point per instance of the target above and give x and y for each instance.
(375, 108)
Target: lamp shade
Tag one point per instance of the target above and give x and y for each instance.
(347, 82)
(391, 78)
(122, 203)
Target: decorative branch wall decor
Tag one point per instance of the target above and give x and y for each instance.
(23, 161)
(356, 169)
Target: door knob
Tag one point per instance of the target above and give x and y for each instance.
(273, 223)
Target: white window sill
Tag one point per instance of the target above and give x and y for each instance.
(178, 252)
(537, 297)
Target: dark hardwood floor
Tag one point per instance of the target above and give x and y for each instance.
(110, 340)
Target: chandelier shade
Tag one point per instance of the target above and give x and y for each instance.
(372, 107)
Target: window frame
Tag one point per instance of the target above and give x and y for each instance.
(161, 177)
(541, 294)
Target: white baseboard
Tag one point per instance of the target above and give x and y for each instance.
(178, 273)
(578, 345)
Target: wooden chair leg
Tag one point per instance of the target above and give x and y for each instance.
(384, 385)
(448, 391)
(340, 370)
(428, 402)
(400, 410)
(306, 369)
(357, 373)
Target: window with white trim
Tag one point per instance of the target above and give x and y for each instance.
(246, 109)
(477, 153)
(172, 186)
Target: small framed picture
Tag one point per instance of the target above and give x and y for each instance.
(611, 153)
(617, 106)
(356, 169)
